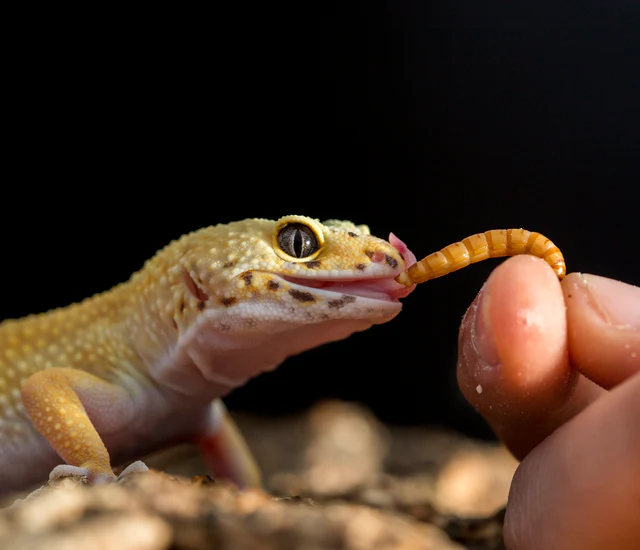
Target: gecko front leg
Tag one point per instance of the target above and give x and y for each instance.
(61, 403)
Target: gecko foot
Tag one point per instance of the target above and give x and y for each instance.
(66, 470)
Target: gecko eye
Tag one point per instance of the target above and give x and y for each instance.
(298, 240)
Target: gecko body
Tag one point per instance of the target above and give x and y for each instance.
(144, 365)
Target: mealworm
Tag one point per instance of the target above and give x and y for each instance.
(490, 244)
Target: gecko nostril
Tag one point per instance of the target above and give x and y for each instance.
(378, 257)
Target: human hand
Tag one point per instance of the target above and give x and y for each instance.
(554, 368)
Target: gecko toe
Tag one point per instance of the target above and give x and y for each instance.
(66, 470)
(134, 468)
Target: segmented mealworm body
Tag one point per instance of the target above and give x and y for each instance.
(490, 244)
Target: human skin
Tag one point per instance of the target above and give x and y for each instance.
(554, 368)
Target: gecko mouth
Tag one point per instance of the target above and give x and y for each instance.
(384, 289)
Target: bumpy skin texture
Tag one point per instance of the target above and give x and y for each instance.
(143, 365)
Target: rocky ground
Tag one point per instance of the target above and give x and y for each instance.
(335, 479)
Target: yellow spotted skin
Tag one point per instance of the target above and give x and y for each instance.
(490, 244)
(125, 371)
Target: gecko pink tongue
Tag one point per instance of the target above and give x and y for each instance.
(409, 257)
(409, 260)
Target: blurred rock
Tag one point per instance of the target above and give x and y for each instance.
(335, 478)
(475, 481)
(152, 511)
(345, 450)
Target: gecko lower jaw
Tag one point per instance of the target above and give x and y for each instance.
(384, 289)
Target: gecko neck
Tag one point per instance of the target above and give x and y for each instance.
(210, 362)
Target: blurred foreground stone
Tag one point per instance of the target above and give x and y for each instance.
(335, 478)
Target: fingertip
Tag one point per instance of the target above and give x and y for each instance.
(513, 360)
(604, 327)
(514, 334)
(530, 329)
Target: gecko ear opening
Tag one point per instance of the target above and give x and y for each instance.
(193, 287)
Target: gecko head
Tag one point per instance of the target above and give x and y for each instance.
(266, 275)
(247, 295)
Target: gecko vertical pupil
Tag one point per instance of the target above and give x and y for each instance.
(297, 240)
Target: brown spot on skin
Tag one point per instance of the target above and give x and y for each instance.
(391, 261)
(272, 285)
(246, 277)
(227, 302)
(229, 264)
(201, 306)
(360, 267)
(343, 301)
(352, 234)
(312, 264)
(224, 328)
(301, 296)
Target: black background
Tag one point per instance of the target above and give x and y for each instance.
(432, 120)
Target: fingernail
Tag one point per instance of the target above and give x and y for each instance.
(482, 335)
(617, 303)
